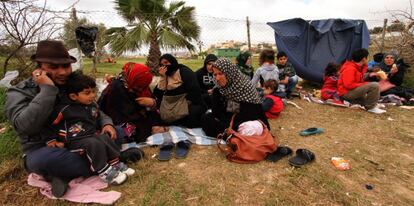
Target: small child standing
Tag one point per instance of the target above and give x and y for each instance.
(272, 105)
(329, 89)
(75, 124)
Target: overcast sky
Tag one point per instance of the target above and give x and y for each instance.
(259, 11)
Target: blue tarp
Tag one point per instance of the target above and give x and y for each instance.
(311, 45)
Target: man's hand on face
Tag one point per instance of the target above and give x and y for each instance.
(40, 77)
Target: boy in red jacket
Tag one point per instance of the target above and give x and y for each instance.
(351, 84)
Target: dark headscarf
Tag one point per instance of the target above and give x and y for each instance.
(241, 63)
(174, 64)
(209, 58)
(238, 88)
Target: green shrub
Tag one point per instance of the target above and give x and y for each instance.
(3, 117)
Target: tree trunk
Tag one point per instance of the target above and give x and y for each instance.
(154, 55)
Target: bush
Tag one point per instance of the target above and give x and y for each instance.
(9, 145)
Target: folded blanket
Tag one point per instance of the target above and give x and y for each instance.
(80, 190)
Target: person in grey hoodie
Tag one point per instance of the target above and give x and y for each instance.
(29, 105)
(267, 70)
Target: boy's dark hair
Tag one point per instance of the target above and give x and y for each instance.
(77, 82)
(378, 57)
(272, 84)
(359, 54)
(281, 54)
(267, 55)
(331, 69)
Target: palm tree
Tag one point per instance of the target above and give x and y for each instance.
(151, 22)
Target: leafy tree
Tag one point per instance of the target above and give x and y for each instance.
(153, 23)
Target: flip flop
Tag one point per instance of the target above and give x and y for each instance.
(281, 152)
(303, 156)
(182, 149)
(165, 152)
(311, 131)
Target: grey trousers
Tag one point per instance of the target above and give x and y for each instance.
(366, 95)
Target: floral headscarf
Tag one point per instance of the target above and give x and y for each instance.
(238, 88)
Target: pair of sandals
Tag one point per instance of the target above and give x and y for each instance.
(303, 156)
(181, 151)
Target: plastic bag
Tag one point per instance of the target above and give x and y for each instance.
(341, 163)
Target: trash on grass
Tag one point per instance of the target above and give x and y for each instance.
(341, 163)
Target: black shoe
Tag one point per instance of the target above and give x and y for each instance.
(59, 186)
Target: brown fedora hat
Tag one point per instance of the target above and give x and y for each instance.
(54, 52)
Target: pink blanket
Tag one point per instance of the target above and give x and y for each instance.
(80, 190)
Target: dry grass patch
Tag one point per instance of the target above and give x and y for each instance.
(380, 151)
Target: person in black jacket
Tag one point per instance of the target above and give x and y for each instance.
(235, 94)
(177, 79)
(206, 80)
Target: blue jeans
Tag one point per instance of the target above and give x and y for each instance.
(292, 83)
(58, 162)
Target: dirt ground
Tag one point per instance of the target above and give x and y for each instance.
(379, 147)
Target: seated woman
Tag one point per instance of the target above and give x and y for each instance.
(129, 102)
(235, 95)
(390, 83)
(244, 63)
(178, 94)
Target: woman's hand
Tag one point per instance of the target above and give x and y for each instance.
(394, 69)
(145, 101)
(162, 70)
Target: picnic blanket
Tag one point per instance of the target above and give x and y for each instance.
(176, 134)
(80, 190)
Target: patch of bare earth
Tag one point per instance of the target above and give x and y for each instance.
(380, 151)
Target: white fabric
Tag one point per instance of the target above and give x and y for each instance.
(250, 128)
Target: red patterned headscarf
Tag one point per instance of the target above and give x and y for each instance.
(137, 78)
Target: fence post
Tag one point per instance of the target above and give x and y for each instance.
(248, 33)
(384, 28)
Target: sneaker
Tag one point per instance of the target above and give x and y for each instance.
(113, 176)
(123, 168)
(376, 110)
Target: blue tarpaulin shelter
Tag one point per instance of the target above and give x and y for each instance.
(311, 45)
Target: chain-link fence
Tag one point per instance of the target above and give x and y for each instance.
(215, 33)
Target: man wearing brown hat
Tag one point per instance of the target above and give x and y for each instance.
(28, 107)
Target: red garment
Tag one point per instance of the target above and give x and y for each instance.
(329, 88)
(138, 77)
(351, 76)
(276, 108)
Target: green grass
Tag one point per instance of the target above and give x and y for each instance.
(9, 145)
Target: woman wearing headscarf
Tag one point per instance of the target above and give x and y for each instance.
(178, 83)
(395, 75)
(395, 71)
(206, 80)
(129, 102)
(244, 63)
(235, 94)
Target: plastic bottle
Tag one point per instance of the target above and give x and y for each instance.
(341, 163)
